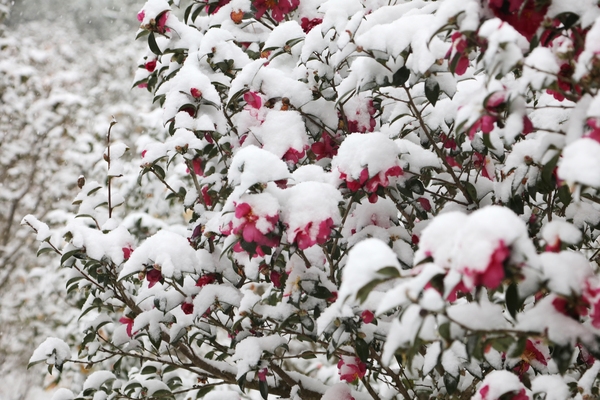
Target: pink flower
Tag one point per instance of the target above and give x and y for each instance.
(371, 185)
(197, 164)
(246, 228)
(367, 316)
(127, 252)
(206, 197)
(187, 308)
(141, 15)
(524, 15)
(424, 203)
(293, 155)
(358, 125)
(275, 278)
(494, 273)
(196, 93)
(326, 147)
(351, 368)
(278, 8)
(161, 23)
(206, 280)
(521, 395)
(153, 276)
(595, 133)
(308, 24)
(458, 52)
(253, 99)
(213, 7)
(305, 238)
(485, 124)
(150, 66)
(129, 322)
(262, 375)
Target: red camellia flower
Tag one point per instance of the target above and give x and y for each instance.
(351, 368)
(247, 228)
(458, 51)
(127, 252)
(370, 185)
(253, 99)
(308, 24)
(206, 280)
(367, 316)
(293, 155)
(262, 375)
(524, 15)
(275, 278)
(521, 395)
(153, 276)
(187, 308)
(494, 273)
(161, 23)
(278, 8)
(206, 197)
(129, 323)
(196, 93)
(305, 238)
(150, 66)
(326, 147)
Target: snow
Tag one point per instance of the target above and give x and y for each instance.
(339, 391)
(282, 131)
(53, 351)
(553, 385)
(478, 316)
(580, 162)
(252, 165)
(97, 379)
(499, 383)
(167, 249)
(566, 272)
(372, 150)
(364, 260)
(63, 394)
(250, 350)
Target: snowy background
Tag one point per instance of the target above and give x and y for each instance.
(66, 66)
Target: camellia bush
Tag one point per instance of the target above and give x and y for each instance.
(386, 200)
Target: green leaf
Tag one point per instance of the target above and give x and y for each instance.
(242, 382)
(321, 292)
(487, 141)
(162, 394)
(204, 391)
(263, 386)
(390, 272)
(307, 355)
(547, 171)
(519, 347)
(562, 357)
(153, 45)
(432, 90)
(444, 331)
(513, 302)
(362, 349)
(451, 383)
(564, 195)
(68, 255)
(401, 76)
(148, 369)
(364, 291)
(471, 191)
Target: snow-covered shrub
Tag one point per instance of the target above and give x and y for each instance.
(399, 195)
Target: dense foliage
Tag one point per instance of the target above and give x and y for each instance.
(386, 199)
